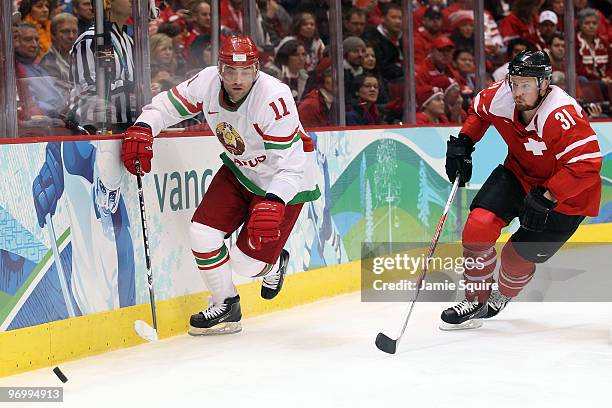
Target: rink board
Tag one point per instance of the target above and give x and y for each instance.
(378, 185)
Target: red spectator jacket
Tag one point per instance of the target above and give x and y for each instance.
(593, 63)
(538, 41)
(605, 26)
(558, 149)
(417, 16)
(461, 120)
(511, 27)
(422, 45)
(313, 110)
(427, 71)
(446, 12)
(167, 14)
(375, 16)
(423, 119)
(230, 19)
(189, 39)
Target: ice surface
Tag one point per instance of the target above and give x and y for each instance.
(323, 355)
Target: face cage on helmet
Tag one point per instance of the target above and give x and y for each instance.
(221, 66)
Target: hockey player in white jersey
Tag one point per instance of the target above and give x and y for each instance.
(268, 173)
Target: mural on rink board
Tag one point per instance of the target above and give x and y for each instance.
(71, 240)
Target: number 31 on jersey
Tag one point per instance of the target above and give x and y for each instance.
(566, 119)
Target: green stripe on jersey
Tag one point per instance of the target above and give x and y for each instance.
(301, 197)
(282, 145)
(211, 261)
(180, 108)
(264, 271)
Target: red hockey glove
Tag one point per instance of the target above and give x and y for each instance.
(264, 223)
(137, 145)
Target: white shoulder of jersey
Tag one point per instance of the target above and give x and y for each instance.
(266, 90)
(556, 99)
(205, 77)
(272, 86)
(502, 103)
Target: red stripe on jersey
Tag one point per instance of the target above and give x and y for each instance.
(190, 106)
(271, 138)
(192, 79)
(207, 268)
(206, 255)
(307, 141)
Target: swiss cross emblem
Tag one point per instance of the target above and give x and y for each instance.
(536, 147)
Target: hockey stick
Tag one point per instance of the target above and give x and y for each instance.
(384, 342)
(143, 329)
(58, 266)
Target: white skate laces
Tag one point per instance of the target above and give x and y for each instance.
(497, 300)
(465, 307)
(272, 279)
(214, 311)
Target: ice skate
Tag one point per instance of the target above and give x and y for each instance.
(273, 282)
(465, 315)
(496, 303)
(223, 318)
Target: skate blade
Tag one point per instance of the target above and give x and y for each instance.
(469, 325)
(222, 328)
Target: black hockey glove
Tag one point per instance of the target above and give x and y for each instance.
(536, 210)
(459, 158)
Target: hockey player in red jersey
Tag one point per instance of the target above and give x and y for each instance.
(268, 172)
(549, 180)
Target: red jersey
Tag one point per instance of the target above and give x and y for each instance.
(558, 149)
(417, 16)
(427, 71)
(231, 19)
(512, 27)
(422, 45)
(593, 62)
(446, 12)
(190, 38)
(423, 119)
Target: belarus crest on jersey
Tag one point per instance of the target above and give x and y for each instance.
(229, 138)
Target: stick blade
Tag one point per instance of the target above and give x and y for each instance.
(145, 331)
(386, 344)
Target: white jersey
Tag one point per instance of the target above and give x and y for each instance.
(94, 250)
(265, 145)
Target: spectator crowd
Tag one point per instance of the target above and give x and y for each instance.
(54, 44)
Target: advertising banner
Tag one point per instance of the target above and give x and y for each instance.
(70, 232)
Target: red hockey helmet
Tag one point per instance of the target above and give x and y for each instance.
(238, 51)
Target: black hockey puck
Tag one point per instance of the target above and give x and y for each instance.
(60, 375)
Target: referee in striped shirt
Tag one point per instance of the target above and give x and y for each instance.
(83, 72)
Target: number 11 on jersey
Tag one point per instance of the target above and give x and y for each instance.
(277, 112)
